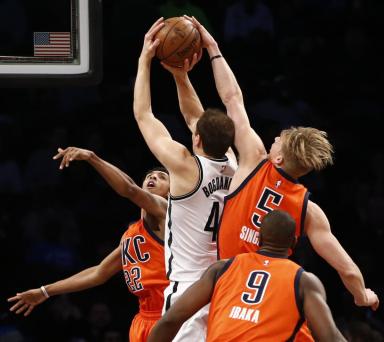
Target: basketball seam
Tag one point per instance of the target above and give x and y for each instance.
(173, 52)
(165, 37)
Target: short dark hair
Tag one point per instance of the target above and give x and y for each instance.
(156, 168)
(217, 132)
(278, 229)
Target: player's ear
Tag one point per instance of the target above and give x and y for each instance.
(278, 159)
(196, 140)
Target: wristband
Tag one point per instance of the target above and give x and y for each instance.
(45, 293)
(217, 56)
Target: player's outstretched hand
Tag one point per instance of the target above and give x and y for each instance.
(187, 66)
(27, 301)
(150, 44)
(372, 299)
(206, 38)
(70, 154)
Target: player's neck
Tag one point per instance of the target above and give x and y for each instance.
(275, 251)
(200, 152)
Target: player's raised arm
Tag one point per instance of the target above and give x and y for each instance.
(189, 102)
(328, 247)
(91, 277)
(116, 178)
(249, 145)
(316, 310)
(169, 152)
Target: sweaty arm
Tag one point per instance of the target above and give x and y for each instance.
(328, 247)
(316, 310)
(249, 145)
(189, 102)
(88, 278)
(169, 152)
(116, 178)
(193, 299)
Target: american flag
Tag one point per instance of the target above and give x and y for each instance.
(52, 44)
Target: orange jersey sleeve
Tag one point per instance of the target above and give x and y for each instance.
(142, 255)
(256, 299)
(267, 188)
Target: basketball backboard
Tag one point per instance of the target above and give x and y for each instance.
(49, 42)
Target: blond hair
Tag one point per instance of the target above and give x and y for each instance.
(306, 149)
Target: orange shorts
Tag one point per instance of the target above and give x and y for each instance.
(142, 325)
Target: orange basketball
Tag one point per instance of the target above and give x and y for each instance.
(179, 39)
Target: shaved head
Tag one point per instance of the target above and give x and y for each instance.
(278, 229)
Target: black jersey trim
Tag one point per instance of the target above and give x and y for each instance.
(170, 238)
(245, 181)
(286, 175)
(304, 213)
(225, 267)
(233, 194)
(299, 304)
(189, 194)
(299, 323)
(272, 255)
(216, 159)
(168, 300)
(152, 234)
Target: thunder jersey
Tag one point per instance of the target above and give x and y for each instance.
(256, 298)
(267, 188)
(192, 221)
(142, 256)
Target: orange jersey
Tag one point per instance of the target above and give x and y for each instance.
(267, 188)
(256, 298)
(142, 256)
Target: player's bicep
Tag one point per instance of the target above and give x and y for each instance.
(110, 265)
(169, 152)
(316, 309)
(323, 241)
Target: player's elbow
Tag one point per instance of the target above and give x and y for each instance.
(127, 191)
(137, 112)
(349, 272)
(232, 97)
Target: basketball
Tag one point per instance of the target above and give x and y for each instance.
(179, 39)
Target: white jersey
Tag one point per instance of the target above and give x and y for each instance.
(192, 221)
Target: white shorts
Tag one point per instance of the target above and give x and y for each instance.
(195, 328)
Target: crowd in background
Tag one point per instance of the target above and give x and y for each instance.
(299, 62)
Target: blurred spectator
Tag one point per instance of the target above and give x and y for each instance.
(10, 173)
(99, 319)
(13, 26)
(41, 171)
(244, 18)
(177, 8)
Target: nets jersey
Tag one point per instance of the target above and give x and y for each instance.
(142, 255)
(192, 221)
(267, 188)
(256, 299)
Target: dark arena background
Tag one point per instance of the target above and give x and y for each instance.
(299, 62)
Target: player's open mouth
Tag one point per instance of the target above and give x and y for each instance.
(151, 184)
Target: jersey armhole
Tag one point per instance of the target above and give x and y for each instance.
(304, 213)
(299, 300)
(225, 267)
